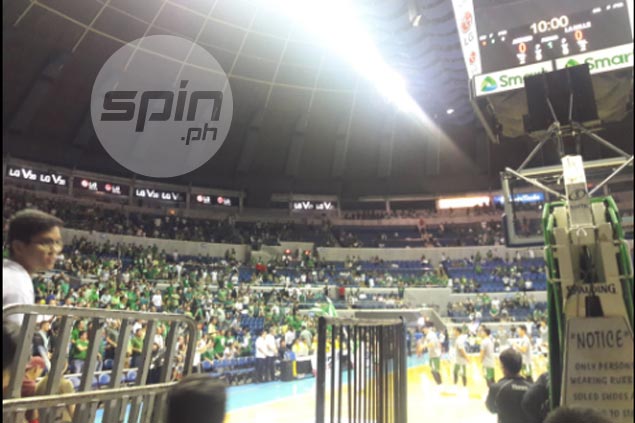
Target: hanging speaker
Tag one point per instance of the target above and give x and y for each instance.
(559, 87)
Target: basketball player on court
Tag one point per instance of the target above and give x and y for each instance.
(524, 348)
(487, 355)
(461, 359)
(433, 346)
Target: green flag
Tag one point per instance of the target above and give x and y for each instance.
(325, 309)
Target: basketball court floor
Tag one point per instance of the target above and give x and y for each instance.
(294, 402)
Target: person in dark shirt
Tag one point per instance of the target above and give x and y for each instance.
(505, 396)
(576, 415)
(535, 403)
(197, 398)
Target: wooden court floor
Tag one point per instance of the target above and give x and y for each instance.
(426, 403)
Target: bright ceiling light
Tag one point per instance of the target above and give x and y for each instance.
(449, 111)
(339, 27)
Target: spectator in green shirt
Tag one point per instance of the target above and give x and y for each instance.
(222, 295)
(80, 351)
(80, 327)
(132, 297)
(219, 344)
(115, 301)
(208, 355)
(136, 346)
(65, 287)
(93, 297)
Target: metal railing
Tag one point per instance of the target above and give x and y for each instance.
(65, 317)
(365, 371)
(152, 400)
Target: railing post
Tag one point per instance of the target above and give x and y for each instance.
(142, 372)
(58, 362)
(23, 355)
(89, 368)
(321, 371)
(110, 410)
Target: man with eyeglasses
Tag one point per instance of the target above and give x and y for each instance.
(35, 240)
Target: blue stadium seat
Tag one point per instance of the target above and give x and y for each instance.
(104, 379)
(207, 366)
(131, 376)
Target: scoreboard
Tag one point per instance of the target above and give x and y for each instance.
(505, 40)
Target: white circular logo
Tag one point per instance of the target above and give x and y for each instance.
(161, 106)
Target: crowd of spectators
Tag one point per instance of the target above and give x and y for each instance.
(116, 220)
(514, 273)
(218, 312)
(482, 307)
(128, 277)
(412, 213)
(480, 234)
(424, 235)
(84, 259)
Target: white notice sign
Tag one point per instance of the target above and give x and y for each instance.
(599, 366)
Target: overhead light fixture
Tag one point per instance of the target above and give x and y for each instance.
(414, 12)
(449, 111)
(339, 27)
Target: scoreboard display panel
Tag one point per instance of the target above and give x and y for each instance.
(505, 40)
(540, 30)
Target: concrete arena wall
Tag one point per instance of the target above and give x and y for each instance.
(183, 247)
(433, 254)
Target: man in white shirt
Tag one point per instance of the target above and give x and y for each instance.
(179, 269)
(157, 301)
(201, 346)
(105, 299)
(488, 358)
(35, 240)
(421, 322)
(271, 353)
(104, 275)
(158, 337)
(289, 337)
(524, 348)
(461, 359)
(433, 345)
(261, 356)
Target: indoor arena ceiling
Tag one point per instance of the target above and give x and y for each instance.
(284, 82)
